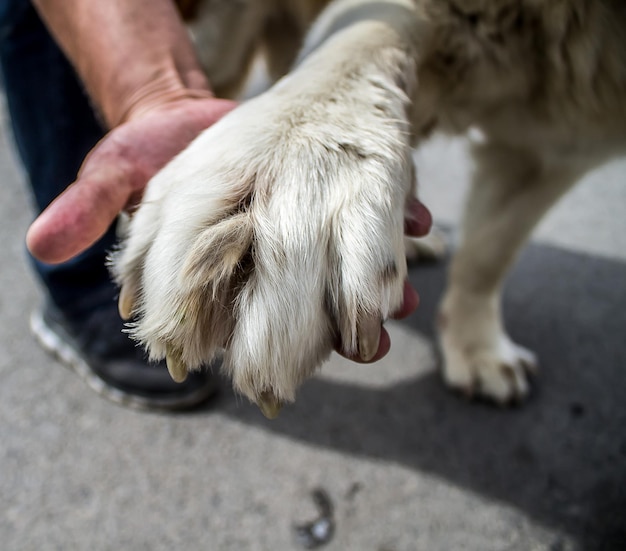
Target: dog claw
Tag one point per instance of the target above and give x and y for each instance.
(269, 405)
(175, 365)
(125, 304)
(368, 336)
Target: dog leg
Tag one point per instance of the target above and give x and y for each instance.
(511, 191)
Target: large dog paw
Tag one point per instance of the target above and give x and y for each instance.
(479, 359)
(276, 236)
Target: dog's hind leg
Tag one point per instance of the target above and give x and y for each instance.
(512, 190)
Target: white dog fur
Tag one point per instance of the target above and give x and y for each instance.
(278, 234)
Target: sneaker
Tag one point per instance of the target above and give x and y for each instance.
(105, 357)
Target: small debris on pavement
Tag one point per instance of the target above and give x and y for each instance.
(321, 530)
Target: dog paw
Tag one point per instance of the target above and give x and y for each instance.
(276, 236)
(499, 374)
(479, 359)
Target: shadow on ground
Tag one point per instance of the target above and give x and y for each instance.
(561, 458)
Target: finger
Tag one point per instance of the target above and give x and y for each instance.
(383, 347)
(77, 218)
(410, 302)
(418, 219)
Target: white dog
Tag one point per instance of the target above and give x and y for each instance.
(279, 231)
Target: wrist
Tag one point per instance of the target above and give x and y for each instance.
(128, 54)
(160, 88)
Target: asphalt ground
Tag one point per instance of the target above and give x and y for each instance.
(406, 465)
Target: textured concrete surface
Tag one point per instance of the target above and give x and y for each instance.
(408, 466)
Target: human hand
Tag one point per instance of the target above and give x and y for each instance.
(115, 173)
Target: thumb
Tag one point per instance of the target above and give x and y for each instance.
(78, 217)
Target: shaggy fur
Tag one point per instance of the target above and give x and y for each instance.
(279, 232)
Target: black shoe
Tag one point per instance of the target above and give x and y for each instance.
(111, 363)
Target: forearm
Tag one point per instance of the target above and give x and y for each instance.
(130, 54)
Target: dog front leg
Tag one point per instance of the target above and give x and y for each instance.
(512, 190)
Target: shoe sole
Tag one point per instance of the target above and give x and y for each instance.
(67, 355)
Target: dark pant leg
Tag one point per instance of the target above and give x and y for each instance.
(54, 128)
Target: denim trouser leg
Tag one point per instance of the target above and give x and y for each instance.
(54, 127)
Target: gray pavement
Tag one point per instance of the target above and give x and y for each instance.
(407, 465)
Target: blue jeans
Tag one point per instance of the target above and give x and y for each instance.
(54, 127)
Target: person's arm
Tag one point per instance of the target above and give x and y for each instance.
(130, 54)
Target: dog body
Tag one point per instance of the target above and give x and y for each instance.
(279, 231)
